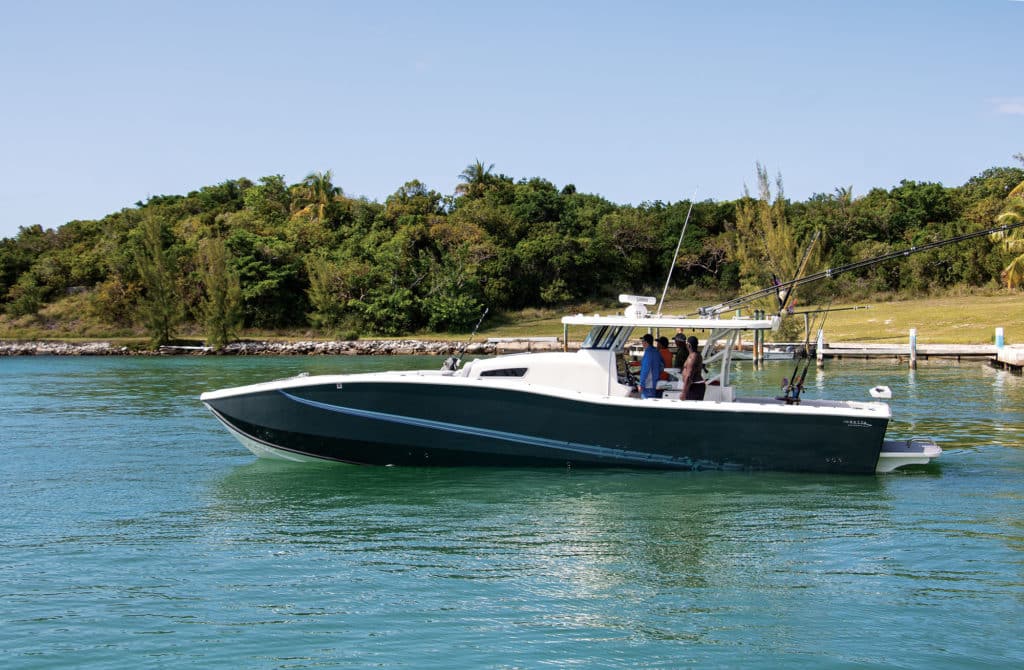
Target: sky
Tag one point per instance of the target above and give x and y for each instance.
(108, 103)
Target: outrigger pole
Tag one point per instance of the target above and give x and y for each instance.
(785, 294)
(676, 255)
(714, 310)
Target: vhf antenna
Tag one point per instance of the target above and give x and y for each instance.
(676, 255)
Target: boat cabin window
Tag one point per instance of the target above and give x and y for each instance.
(504, 372)
(607, 337)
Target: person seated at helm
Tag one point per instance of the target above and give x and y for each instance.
(651, 366)
(666, 356)
(693, 379)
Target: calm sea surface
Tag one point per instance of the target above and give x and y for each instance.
(136, 532)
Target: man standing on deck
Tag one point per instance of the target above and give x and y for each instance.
(693, 380)
(651, 366)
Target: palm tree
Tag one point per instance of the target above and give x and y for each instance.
(475, 179)
(1013, 240)
(317, 192)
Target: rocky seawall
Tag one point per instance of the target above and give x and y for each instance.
(308, 348)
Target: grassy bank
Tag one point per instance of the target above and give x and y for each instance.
(946, 320)
(969, 319)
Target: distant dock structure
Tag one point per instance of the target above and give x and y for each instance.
(1000, 355)
(841, 350)
(1010, 358)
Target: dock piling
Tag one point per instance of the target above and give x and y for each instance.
(913, 348)
(758, 353)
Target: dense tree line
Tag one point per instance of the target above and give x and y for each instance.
(270, 255)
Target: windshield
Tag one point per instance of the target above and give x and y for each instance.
(607, 337)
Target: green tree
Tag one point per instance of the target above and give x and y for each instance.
(26, 296)
(629, 243)
(767, 247)
(413, 202)
(272, 279)
(269, 201)
(17, 255)
(452, 293)
(1013, 240)
(160, 307)
(221, 305)
(766, 244)
(316, 194)
(334, 285)
(475, 179)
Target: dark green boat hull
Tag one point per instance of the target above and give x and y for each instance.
(381, 423)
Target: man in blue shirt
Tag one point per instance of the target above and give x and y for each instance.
(651, 366)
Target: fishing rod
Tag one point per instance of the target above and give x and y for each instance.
(714, 310)
(451, 364)
(807, 364)
(794, 386)
(676, 255)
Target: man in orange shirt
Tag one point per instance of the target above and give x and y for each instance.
(666, 355)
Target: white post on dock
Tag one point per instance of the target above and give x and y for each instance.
(999, 338)
(913, 348)
(819, 348)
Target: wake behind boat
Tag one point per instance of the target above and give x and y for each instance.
(577, 409)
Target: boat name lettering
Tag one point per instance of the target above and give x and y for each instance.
(857, 423)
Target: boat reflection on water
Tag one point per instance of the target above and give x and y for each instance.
(487, 523)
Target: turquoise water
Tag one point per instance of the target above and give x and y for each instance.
(137, 532)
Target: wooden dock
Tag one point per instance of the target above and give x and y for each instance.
(863, 350)
(1010, 358)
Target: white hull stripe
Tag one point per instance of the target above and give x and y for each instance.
(618, 454)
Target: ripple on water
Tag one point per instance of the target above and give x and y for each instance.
(136, 531)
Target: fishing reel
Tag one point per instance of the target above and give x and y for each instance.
(791, 391)
(451, 364)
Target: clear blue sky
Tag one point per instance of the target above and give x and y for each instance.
(108, 103)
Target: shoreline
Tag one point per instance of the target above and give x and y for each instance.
(490, 347)
(258, 348)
